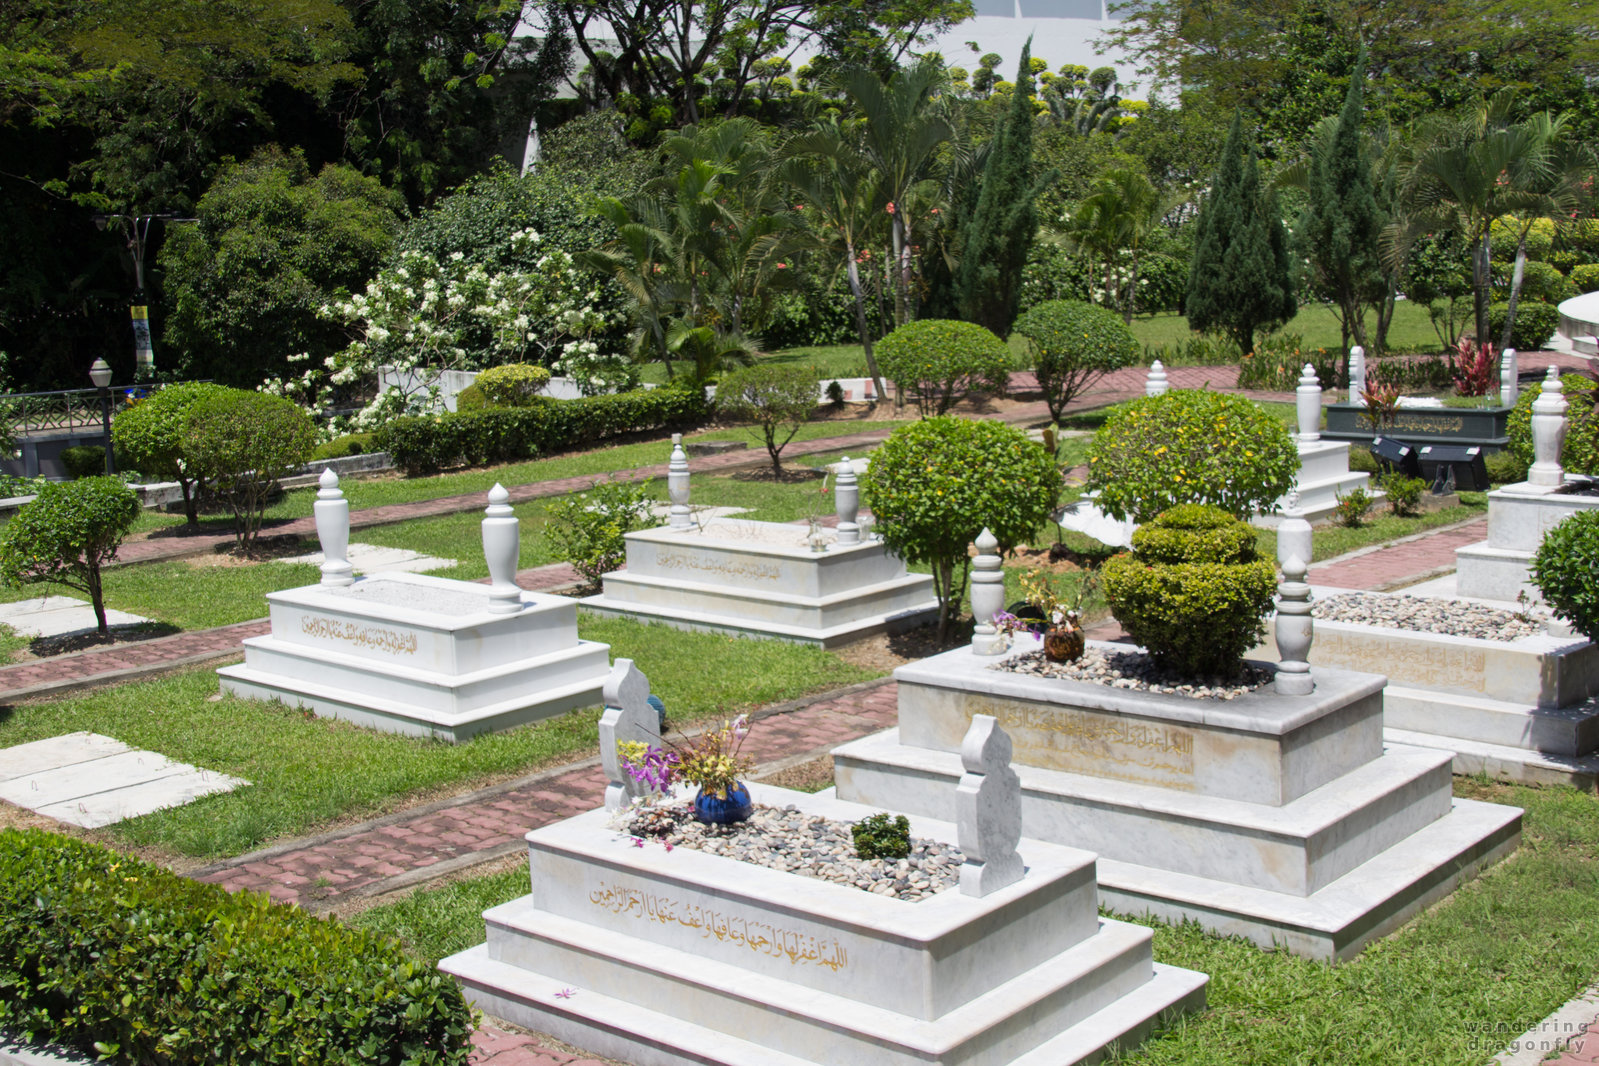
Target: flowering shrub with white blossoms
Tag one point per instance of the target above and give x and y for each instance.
(422, 316)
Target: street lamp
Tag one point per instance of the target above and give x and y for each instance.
(100, 374)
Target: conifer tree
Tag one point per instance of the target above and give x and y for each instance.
(1238, 281)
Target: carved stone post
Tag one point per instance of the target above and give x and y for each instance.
(1357, 373)
(502, 547)
(1548, 433)
(1509, 384)
(847, 502)
(1295, 627)
(628, 718)
(677, 484)
(333, 529)
(1156, 384)
(988, 595)
(1307, 400)
(988, 810)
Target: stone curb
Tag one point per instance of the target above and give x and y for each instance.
(114, 677)
(1573, 1019)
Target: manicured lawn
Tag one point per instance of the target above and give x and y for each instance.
(1451, 988)
(1315, 324)
(188, 593)
(306, 771)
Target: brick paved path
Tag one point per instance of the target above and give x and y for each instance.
(1404, 562)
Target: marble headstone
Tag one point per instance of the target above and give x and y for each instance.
(988, 809)
(628, 718)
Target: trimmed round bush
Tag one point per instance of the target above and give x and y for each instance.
(84, 460)
(347, 445)
(775, 398)
(1566, 570)
(1073, 344)
(66, 534)
(150, 435)
(935, 485)
(511, 385)
(1539, 281)
(1535, 323)
(938, 361)
(1506, 229)
(1580, 452)
(1585, 277)
(1190, 446)
(242, 442)
(1193, 591)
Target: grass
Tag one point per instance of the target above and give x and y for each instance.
(1316, 325)
(306, 771)
(10, 644)
(1331, 541)
(1453, 986)
(196, 593)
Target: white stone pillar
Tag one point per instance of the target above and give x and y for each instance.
(677, 484)
(1307, 400)
(1548, 433)
(502, 548)
(988, 595)
(1357, 373)
(1156, 384)
(1295, 627)
(1509, 385)
(847, 502)
(333, 529)
(988, 810)
(628, 718)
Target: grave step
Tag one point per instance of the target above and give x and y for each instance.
(711, 621)
(645, 593)
(1508, 763)
(1560, 731)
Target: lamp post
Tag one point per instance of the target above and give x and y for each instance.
(100, 374)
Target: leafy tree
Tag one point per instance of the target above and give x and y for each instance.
(1074, 344)
(777, 398)
(938, 362)
(1238, 280)
(150, 434)
(242, 442)
(67, 534)
(1114, 224)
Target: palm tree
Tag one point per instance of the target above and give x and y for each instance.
(1560, 192)
(638, 258)
(1115, 220)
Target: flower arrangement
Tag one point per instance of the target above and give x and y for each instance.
(712, 761)
(1048, 607)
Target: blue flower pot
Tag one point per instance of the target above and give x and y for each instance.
(735, 808)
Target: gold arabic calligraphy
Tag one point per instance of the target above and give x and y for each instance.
(743, 568)
(1065, 738)
(392, 641)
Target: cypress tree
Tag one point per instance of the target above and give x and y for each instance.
(1238, 280)
(1000, 230)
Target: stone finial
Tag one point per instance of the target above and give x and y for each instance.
(847, 501)
(502, 548)
(677, 485)
(1548, 433)
(1156, 384)
(1357, 373)
(1307, 401)
(1295, 627)
(988, 810)
(628, 718)
(1509, 382)
(332, 512)
(988, 595)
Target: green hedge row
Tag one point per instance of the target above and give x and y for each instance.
(428, 443)
(98, 950)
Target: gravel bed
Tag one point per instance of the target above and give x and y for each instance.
(1136, 670)
(787, 839)
(1426, 614)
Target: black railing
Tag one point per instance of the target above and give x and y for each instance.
(66, 409)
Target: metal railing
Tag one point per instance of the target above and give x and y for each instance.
(65, 409)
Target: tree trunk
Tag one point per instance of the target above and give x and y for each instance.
(1479, 287)
(860, 320)
(97, 597)
(191, 498)
(1515, 290)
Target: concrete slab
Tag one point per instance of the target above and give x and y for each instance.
(54, 616)
(108, 808)
(91, 780)
(375, 559)
(56, 752)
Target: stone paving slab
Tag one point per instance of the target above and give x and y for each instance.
(376, 559)
(55, 616)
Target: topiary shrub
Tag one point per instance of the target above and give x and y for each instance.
(1193, 591)
(1073, 345)
(511, 385)
(1539, 281)
(776, 398)
(1580, 452)
(471, 398)
(346, 446)
(935, 485)
(107, 952)
(1535, 324)
(150, 434)
(1504, 468)
(1566, 570)
(242, 442)
(1585, 276)
(84, 460)
(1190, 446)
(67, 534)
(937, 362)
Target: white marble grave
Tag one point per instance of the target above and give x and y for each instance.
(1324, 472)
(427, 656)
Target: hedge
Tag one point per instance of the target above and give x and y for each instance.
(428, 443)
(102, 951)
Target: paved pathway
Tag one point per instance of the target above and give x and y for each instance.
(1404, 562)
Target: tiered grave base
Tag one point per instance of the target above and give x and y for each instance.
(762, 579)
(1283, 819)
(680, 957)
(1324, 475)
(408, 653)
(1518, 517)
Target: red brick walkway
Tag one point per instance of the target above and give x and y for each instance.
(1403, 562)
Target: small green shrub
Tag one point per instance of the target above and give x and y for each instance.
(511, 385)
(1351, 508)
(242, 442)
(835, 393)
(938, 362)
(1277, 362)
(1190, 446)
(1566, 570)
(1580, 452)
(1073, 345)
(934, 485)
(1504, 468)
(84, 460)
(346, 446)
(67, 534)
(589, 529)
(777, 398)
(1361, 461)
(471, 398)
(1403, 493)
(1535, 324)
(1585, 277)
(107, 952)
(1539, 281)
(881, 836)
(150, 435)
(1193, 591)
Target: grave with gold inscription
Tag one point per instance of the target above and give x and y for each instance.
(426, 656)
(766, 579)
